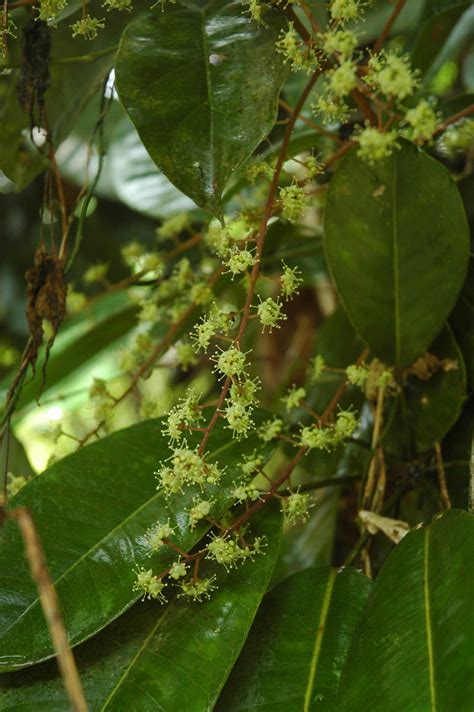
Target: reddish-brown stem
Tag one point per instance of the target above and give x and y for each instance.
(51, 609)
(311, 124)
(388, 25)
(364, 106)
(259, 245)
(455, 117)
(240, 521)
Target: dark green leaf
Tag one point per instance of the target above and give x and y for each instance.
(398, 255)
(137, 181)
(413, 648)
(426, 409)
(462, 323)
(438, 20)
(200, 83)
(91, 510)
(134, 663)
(298, 644)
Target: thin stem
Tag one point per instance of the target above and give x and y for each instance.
(388, 25)
(50, 605)
(443, 487)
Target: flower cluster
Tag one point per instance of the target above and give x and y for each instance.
(326, 438)
(300, 55)
(87, 27)
(186, 467)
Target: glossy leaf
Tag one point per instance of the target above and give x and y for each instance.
(436, 24)
(398, 255)
(413, 648)
(426, 409)
(297, 646)
(137, 181)
(200, 82)
(177, 657)
(91, 510)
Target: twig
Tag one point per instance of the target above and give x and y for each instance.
(455, 117)
(50, 605)
(443, 487)
(388, 25)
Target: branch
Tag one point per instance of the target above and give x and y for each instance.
(388, 25)
(50, 605)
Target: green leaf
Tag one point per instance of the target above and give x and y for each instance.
(413, 648)
(297, 646)
(200, 82)
(91, 510)
(462, 323)
(137, 181)
(398, 255)
(133, 664)
(436, 24)
(426, 409)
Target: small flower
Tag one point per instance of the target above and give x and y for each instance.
(357, 375)
(244, 391)
(200, 510)
(118, 5)
(345, 10)
(293, 398)
(296, 507)
(294, 202)
(157, 535)
(290, 281)
(343, 79)
(422, 120)
(87, 27)
(230, 362)
(244, 493)
(314, 437)
(339, 41)
(346, 423)
(197, 590)
(151, 586)
(225, 551)
(178, 570)
(270, 429)
(316, 369)
(375, 145)
(50, 9)
(239, 261)
(270, 313)
(238, 419)
(259, 168)
(252, 463)
(300, 55)
(392, 74)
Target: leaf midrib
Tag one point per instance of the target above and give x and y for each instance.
(320, 630)
(429, 632)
